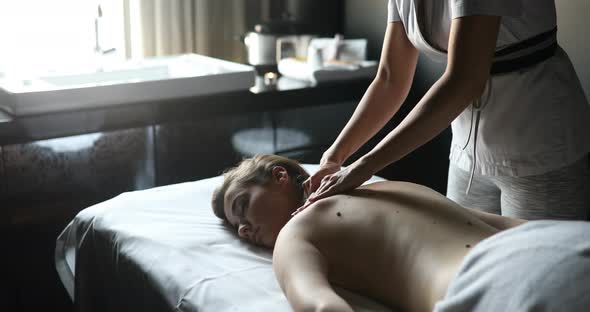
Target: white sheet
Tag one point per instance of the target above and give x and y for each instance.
(163, 249)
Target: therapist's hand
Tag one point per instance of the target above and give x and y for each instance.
(326, 168)
(344, 180)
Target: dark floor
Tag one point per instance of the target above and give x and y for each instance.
(29, 272)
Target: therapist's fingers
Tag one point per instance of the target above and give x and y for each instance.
(317, 183)
(311, 184)
(306, 185)
(316, 180)
(300, 209)
(332, 189)
(312, 196)
(326, 183)
(323, 185)
(327, 187)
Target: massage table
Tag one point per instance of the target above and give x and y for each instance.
(163, 249)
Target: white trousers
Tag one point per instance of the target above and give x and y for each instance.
(562, 194)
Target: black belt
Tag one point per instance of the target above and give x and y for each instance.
(510, 65)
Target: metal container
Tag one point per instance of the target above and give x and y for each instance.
(261, 48)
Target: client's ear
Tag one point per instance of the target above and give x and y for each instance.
(280, 174)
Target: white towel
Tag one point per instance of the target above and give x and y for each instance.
(537, 266)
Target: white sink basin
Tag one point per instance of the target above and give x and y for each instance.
(124, 83)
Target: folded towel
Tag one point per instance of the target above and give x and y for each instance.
(298, 69)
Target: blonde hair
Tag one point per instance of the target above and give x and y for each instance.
(256, 170)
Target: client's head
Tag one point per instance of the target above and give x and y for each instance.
(258, 196)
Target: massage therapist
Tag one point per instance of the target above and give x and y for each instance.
(519, 116)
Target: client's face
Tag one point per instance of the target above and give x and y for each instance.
(260, 211)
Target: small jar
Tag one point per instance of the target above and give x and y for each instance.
(315, 59)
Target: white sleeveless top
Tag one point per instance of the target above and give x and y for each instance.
(534, 120)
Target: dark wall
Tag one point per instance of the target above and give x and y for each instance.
(323, 17)
(427, 165)
(571, 19)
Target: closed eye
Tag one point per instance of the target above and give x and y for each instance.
(243, 208)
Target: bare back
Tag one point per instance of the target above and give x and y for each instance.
(397, 242)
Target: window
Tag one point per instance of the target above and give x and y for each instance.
(41, 35)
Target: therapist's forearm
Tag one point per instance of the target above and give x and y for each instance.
(383, 97)
(380, 102)
(445, 100)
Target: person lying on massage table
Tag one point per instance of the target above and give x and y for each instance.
(403, 245)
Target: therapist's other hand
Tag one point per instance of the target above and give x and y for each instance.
(313, 182)
(341, 181)
(344, 180)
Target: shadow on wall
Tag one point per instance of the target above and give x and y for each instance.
(571, 20)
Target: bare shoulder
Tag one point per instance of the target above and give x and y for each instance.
(302, 271)
(294, 245)
(303, 225)
(291, 237)
(295, 229)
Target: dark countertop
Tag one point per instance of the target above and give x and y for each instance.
(285, 94)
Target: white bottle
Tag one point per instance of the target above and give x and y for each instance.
(315, 59)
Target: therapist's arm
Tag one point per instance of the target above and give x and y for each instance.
(384, 96)
(471, 49)
(302, 273)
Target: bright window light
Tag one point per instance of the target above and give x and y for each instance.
(41, 35)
